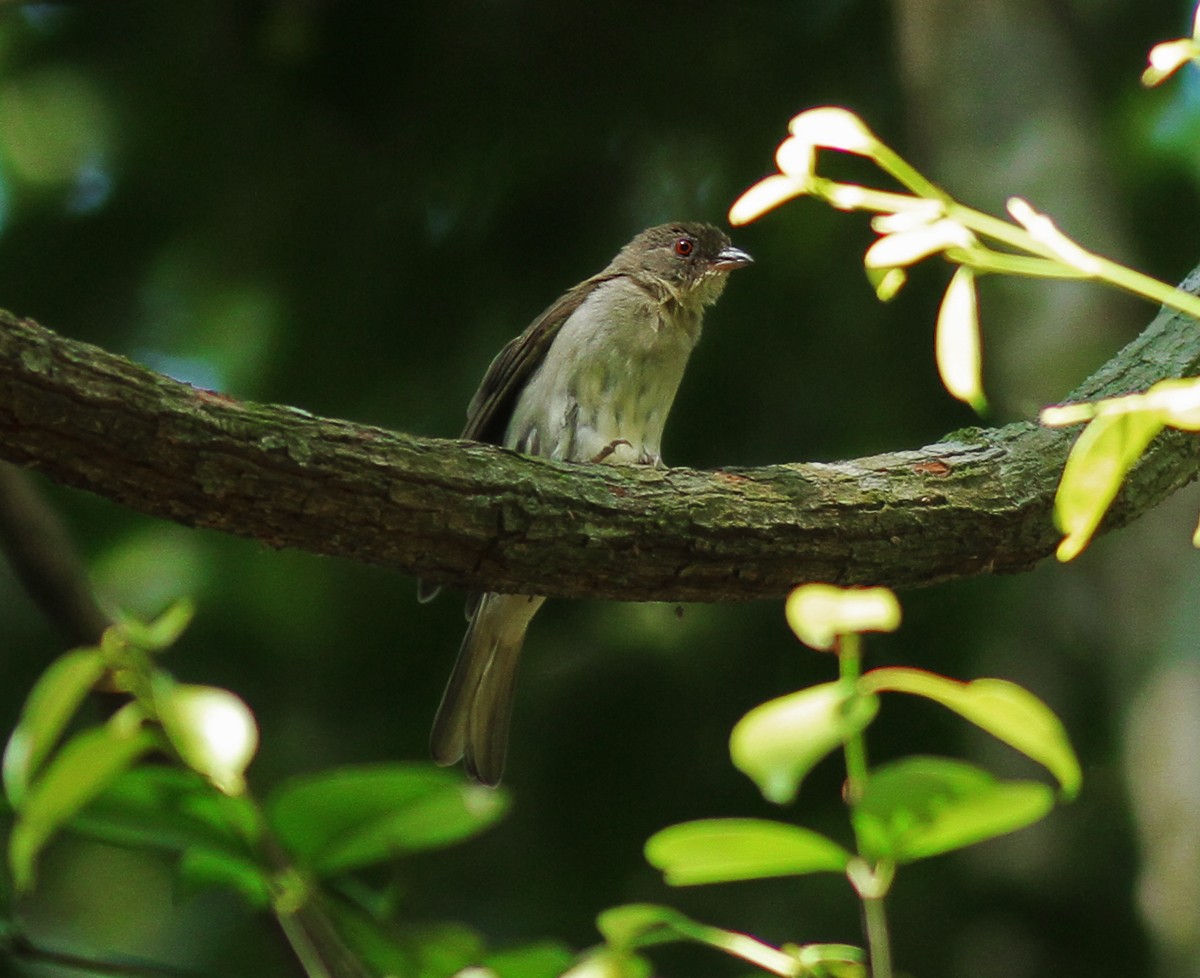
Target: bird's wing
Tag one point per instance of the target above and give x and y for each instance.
(492, 405)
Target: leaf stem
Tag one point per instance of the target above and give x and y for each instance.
(756, 952)
(1040, 259)
(879, 944)
(849, 653)
(870, 882)
(1103, 269)
(892, 162)
(987, 260)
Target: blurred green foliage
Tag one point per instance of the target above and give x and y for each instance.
(349, 207)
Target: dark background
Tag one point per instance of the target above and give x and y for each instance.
(349, 207)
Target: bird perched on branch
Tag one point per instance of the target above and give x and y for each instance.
(591, 380)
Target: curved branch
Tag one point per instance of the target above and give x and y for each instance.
(473, 515)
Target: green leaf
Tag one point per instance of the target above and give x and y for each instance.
(636, 925)
(544, 959)
(431, 950)
(51, 703)
(172, 809)
(1005, 710)
(1099, 460)
(887, 282)
(604, 962)
(203, 868)
(923, 806)
(831, 960)
(778, 743)
(161, 633)
(436, 949)
(87, 763)
(351, 817)
(722, 850)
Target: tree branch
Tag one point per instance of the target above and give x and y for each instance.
(472, 515)
(43, 557)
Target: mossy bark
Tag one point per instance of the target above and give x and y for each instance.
(978, 501)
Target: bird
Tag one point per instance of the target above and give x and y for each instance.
(591, 379)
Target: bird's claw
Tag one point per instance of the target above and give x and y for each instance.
(611, 447)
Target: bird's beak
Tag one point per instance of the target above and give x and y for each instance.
(730, 258)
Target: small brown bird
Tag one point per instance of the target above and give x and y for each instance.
(591, 380)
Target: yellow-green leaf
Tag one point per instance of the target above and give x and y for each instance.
(1099, 460)
(819, 613)
(778, 743)
(47, 711)
(634, 925)
(164, 631)
(604, 962)
(638, 925)
(956, 341)
(1005, 710)
(78, 773)
(723, 850)
(887, 282)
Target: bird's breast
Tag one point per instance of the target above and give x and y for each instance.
(607, 383)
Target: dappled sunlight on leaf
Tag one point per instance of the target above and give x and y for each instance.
(1098, 463)
(957, 342)
(1118, 433)
(212, 729)
(725, 850)
(914, 243)
(765, 195)
(1169, 56)
(1004, 709)
(1045, 232)
(832, 127)
(778, 743)
(819, 613)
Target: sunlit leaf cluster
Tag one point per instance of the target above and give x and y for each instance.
(1117, 433)
(902, 811)
(166, 772)
(925, 221)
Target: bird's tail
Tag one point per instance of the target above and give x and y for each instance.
(473, 719)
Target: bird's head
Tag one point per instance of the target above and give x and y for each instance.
(687, 260)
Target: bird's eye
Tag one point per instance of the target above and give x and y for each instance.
(684, 247)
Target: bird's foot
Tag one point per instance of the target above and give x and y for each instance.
(608, 449)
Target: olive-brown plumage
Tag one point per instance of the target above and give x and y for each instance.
(592, 379)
